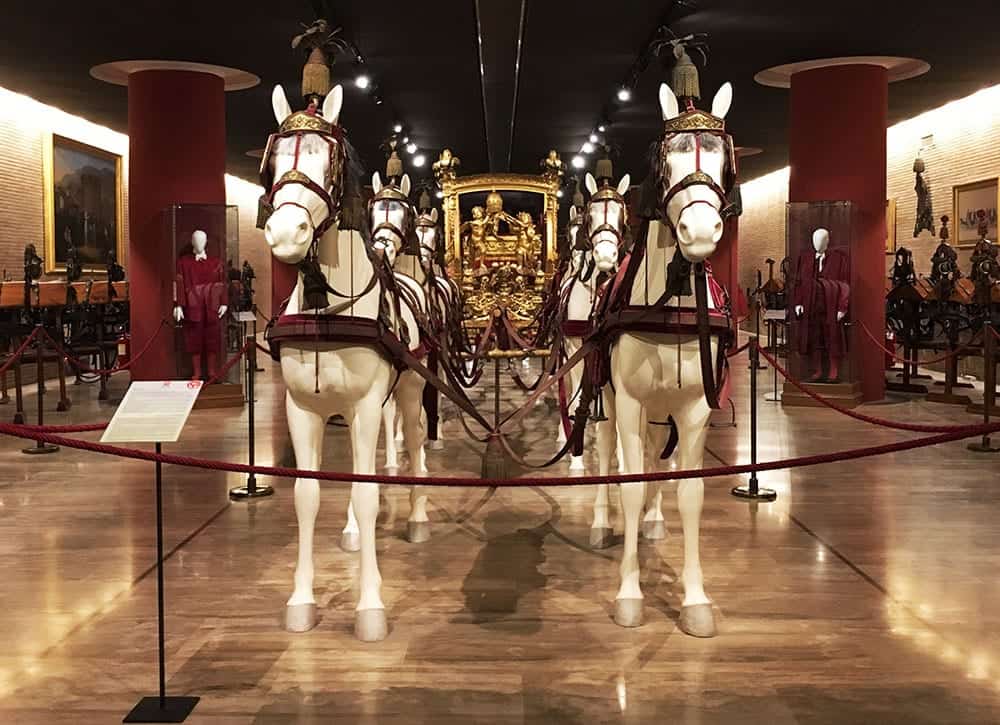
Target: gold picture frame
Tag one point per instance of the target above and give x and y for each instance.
(74, 178)
(967, 199)
(890, 226)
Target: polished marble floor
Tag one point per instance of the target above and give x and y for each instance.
(866, 594)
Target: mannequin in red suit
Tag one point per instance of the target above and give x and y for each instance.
(199, 293)
(820, 302)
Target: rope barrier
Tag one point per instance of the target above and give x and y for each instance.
(738, 350)
(26, 432)
(17, 354)
(229, 364)
(78, 363)
(911, 427)
(907, 361)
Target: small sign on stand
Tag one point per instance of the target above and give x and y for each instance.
(156, 412)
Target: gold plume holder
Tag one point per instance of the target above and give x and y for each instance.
(503, 258)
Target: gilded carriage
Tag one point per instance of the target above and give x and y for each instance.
(500, 236)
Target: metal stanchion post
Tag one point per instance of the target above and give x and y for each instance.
(989, 387)
(752, 491)
(772, 342)
(39, 446)
(161, 708)
(251, 489)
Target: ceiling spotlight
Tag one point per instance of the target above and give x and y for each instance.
(593, 138)
(559, 193)
(378, 99)
(406, 140)
(624, 94)
(587, 148)
(578, 162)
(411, 148)
(419, 160)
(362, 81)
(439, 194)
(602, 128)
(397, 128)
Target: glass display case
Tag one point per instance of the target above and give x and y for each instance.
(205, 239)
(821, 339)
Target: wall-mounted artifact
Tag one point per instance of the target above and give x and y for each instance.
(925, 210)
(82, 204)
(975, 212)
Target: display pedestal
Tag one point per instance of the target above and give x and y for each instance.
(846, 395)
(220, 395)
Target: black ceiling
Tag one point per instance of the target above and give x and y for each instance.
(549, 67)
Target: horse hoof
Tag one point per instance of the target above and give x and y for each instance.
(350, 541)
(576, 464)
(370, 625)
(392, 466)
(654, 530)
(417, 532)
(698, 620)
(300, 617)
(628, 612)
(601, 537)
(437, 445)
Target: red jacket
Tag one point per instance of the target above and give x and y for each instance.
(200, 287)
(833, 282)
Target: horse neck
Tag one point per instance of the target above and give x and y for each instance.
(345, 263)
(410, 265)
(581, 297)
(650, 282)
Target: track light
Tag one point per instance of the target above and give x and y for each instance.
(602, 128)
(397, 128)
(624, 94)
(439, 194)
(419, 160)
(362, 81)
(578, 162)
(411, 148)
(593, 138)
(559, 193)
(406, 140)
(587, 148)
(378, 98)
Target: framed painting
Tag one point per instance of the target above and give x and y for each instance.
(890, 226)
(975, 212)
(83, 204)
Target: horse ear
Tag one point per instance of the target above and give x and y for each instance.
(332, 104)
(624, 184)
(668, 103)
(572, 213)
(434, 215)
(590, 183)
(280, 104)
(723, 100)
(404, 185)
(376, 182)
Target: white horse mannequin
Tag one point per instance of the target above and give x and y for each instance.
(353, 380)
(649, 385)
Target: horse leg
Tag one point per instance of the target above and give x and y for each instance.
(697, 617)
(601, 530)
(631, 432)
(306, 430)
(369, 617)
(411, 401)
(389, 428)
(654, 527)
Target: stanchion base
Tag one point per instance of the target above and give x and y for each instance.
(495, 462)
(907, 388)
(980, 448)
(763, 494)
(175, 709)
(64, 405)
(773, 397)
(39, 450)
(19, 418)
(241, 493)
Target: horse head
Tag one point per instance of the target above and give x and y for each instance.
(392, 217)
(696, 173)
(303, 175)
(606, 219)
(427, 236)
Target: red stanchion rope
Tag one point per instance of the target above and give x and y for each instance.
(738, 350)
(229, 363)
(959, 433)
(16, 355)
(906, 361)
(78, 363)
(912, 427)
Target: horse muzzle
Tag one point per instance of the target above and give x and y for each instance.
(699, 230)
(605, 255)
(289, 234)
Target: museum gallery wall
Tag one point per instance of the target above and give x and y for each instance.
(959, 144)
(27, 129)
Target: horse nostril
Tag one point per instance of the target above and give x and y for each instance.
(303, 226)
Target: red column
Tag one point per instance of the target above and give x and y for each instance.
(177, 154)
(726, 266)
(837, 152)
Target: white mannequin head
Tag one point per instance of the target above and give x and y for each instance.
(199, 240)
(821, 240)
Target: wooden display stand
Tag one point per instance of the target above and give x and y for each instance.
(846, 395)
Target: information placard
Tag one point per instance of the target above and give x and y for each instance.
(153, 411)
(247, 316)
